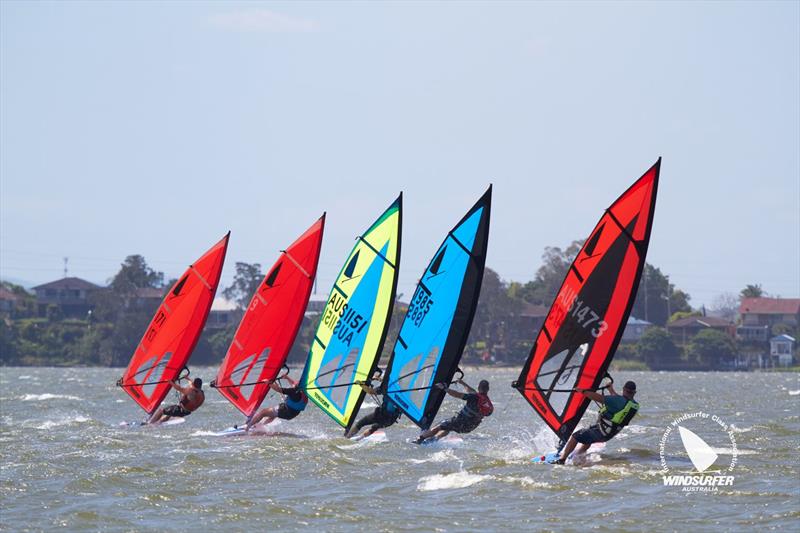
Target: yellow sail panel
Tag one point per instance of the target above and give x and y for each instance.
(351, 333)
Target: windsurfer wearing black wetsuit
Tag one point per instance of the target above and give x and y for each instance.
(192, 397)
(616, 412)
(295, 401)
(383, 416)
(478, 406)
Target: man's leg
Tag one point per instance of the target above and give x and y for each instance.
(368, 419)
(442, 433)
(428, 433)
(269, 412)
(156, 416)
(571, 443)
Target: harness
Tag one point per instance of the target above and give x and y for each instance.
(610, 424)
(484, 407)
(297, 405)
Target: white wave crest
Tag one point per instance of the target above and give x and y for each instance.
(457, 480)
(49, 424)
(438, 457)
(794, 392)
(525, 482)
(47, 396)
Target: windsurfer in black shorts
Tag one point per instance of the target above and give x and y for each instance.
(295, 401)
(470, 416)
(192, 397)
(383, 416)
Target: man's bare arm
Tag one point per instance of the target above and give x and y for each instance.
(451, 392)
(469, 389)
(592, 395)
(174, 385)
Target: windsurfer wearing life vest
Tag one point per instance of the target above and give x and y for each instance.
(192, 397)
(383, 416)
(478, 406)
(616, 412)
(294, 402)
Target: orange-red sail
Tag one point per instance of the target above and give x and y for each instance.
(172, 335)
(270, 325)
(584, 326)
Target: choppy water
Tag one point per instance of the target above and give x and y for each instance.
(66, 463)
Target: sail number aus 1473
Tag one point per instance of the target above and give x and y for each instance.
(584, 315)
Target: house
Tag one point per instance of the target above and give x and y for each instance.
(781, 350)
(684, 329)
(770, 311)
(223, 314)
(147, 297)
(71, 295)
(634, 329)
(8, 301)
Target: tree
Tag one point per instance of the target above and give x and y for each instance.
(658, 349)
(725, 305)
(555, 263)
(495, 308)
(752, 291)
(245, 283)
(710, 347)
(657, 298)
(135, 274)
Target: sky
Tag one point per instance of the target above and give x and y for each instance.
(154, 128)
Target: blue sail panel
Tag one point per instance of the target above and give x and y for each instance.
(438, 320)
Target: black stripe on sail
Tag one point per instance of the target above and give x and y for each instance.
(575, 271)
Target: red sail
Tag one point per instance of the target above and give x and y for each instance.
(270, 325)
(172, 335)
(583, 328)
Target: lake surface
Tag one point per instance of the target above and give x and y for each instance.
(66, 463)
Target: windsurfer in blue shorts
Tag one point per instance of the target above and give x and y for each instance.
(295, 401)
(383, 416)
(616, 412)
(478, 406)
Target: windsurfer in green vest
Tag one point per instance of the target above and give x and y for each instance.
(616, 412)
(382, 416)
(192, 397)
(478, 406)
(295, 401)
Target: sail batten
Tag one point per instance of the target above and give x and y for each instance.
(583, 328)
(268, 329)
(437, 323)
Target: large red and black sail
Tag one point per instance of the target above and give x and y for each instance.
(170, 338)
(270, 325)
(583, 328)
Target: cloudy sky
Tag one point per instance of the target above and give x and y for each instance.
(154, 128)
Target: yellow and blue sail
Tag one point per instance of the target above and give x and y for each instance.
(350, 336)
(439, 317)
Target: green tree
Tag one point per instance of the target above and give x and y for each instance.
(135, 274)
(112, 306)
(549, 277)
(245, 283)
(494, 312)
(657, 298)
(711, 347)
(752, 291)
(657, 349)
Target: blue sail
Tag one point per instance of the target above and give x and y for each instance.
(439, 317)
